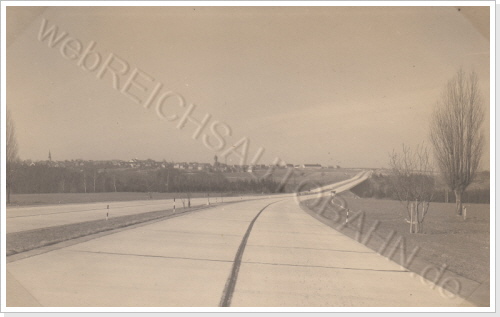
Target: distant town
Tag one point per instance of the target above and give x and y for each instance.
(152, 164)
(135, 175)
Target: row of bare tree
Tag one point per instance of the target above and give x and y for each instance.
(50, 179)
(457, 143)
(11, 153)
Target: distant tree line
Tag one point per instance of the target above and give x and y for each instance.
(49, 179)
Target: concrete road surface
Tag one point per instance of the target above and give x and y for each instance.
(293, 260)
(36, 217)
(263, 252)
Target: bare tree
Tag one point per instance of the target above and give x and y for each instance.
(104, 177)
(94, 177)
(413, 182)
(84, 181)
(456, 133)
(12, 158)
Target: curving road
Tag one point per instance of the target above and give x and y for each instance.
(265, 252)
(36, 217)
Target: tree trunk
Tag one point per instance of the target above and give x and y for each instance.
(458, 199)
(8, 194)
(85, 183)
(419, 216)
(411, 218)
(420, 224)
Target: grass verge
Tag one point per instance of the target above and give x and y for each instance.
(450, 247)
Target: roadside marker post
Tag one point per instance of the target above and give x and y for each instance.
(174, 205)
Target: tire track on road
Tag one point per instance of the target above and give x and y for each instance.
(227, 294)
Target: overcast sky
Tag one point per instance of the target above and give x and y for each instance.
(330, 85)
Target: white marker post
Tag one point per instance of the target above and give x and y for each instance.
(174, 205)
(465, 213)
(107, 214)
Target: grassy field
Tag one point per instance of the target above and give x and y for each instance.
(464, 246)
(309, 177)
(300, 174)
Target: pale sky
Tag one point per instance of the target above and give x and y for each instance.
(330, 85)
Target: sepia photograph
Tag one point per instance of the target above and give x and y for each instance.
(248, 157)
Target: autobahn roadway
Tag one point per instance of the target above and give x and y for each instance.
(36, 217)
(263, 252)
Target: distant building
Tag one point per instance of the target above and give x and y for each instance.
(311, 165)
